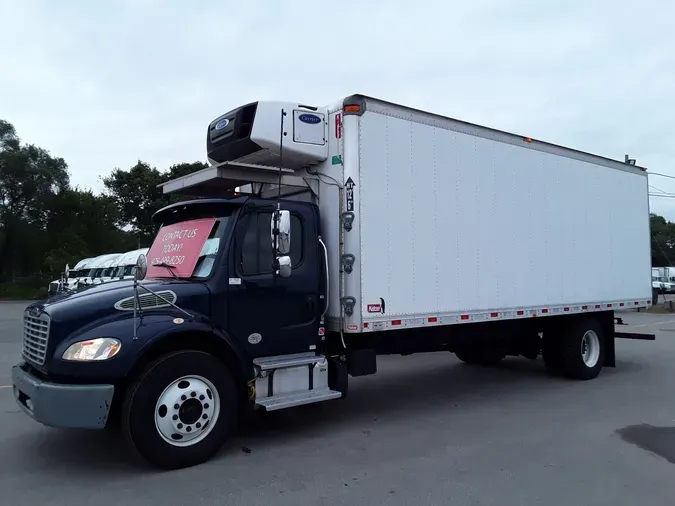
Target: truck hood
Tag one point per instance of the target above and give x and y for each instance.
(87, 305)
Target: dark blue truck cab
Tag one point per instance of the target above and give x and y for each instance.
(175, 359)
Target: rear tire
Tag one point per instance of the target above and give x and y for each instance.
(181, 409)
(578, 351)
(479, 356)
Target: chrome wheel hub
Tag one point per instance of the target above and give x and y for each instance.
(187, 410)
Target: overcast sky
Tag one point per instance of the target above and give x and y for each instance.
(103, 84)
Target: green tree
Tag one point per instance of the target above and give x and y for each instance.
(82, 224)
(138, 196)
(29, 176)
(663, 241)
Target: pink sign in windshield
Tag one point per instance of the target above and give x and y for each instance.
(180, 246)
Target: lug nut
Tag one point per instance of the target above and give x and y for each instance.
(175, 417)
(206, 406)
(193, 394)
(205, 416)
(183, 397)
(199, 425)
(176, 406)
(189, 429)
(201, 397)
(180, 425)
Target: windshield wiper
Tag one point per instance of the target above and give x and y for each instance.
(170, 267)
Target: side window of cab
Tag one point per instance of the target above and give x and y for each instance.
(257, 255)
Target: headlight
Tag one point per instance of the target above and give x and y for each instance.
(101, 348)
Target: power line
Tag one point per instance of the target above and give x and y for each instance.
(660, 190)
(663, 193)
(662, 175)
(662, 250)
(657, 189)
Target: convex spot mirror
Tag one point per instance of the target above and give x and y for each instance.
(285, 266)
(281, 225)
(141, 267)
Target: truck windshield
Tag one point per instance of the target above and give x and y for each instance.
(186, 249)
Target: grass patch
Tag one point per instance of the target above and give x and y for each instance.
(14, 291)
(658, 309)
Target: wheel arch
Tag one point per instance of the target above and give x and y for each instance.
(192, 339)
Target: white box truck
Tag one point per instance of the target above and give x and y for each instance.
(322, 237)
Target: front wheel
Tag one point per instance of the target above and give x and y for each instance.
(181, 410)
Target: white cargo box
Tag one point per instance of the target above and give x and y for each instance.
(433, 221)
(457, 223)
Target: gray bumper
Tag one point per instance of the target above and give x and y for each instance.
(61, 405)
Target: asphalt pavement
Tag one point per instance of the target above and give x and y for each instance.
(425, 430)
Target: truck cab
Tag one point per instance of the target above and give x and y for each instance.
(225, 312)
(236, 264)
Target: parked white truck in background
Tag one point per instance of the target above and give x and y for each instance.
(96, 268)
(124, 266)
(397, 231)
(665, 276)
(106, 270)
(75, 275)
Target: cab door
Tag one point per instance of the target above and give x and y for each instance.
(268, 314)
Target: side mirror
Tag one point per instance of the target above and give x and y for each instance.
(282, 232)
(66, 273)
(285, 266)
(141, 267)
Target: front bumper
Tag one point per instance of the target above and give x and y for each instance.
(62, 405)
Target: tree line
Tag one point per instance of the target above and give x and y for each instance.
(45, 222)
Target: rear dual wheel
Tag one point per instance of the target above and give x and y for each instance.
(576, 351)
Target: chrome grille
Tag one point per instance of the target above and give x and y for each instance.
(35, 337)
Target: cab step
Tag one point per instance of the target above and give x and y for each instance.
(297, 399)
(286, 361)
(286, 381)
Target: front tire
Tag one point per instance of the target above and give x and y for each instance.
(181, 409)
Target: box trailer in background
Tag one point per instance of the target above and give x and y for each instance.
(325, 236)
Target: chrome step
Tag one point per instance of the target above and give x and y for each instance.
(297, 399)
(285, 361)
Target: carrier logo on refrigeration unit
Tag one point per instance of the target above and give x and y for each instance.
(222, 124)
(311, 119)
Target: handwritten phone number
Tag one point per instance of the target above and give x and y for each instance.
(175, 260)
